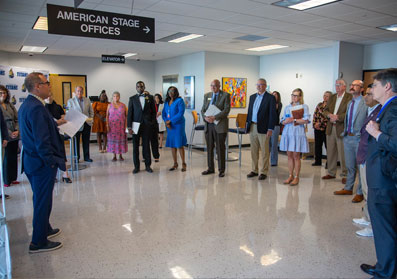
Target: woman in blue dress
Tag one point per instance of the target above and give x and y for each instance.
(293, 138)
(173, 111)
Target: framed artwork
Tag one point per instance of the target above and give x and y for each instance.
(237, 88)
(188, 91)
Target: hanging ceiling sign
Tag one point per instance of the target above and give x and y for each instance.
(113, 59)
(97, 24)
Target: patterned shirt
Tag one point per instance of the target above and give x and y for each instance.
(318, 117)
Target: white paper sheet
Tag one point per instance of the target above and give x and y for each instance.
(75, 119)
(212, 111)
(135, 127)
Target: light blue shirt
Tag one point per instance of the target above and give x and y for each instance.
(213, 96)
(255, 108)
(370, 110)
(357, 100)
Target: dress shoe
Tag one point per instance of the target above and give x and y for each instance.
(15, 182)
(183, 167)
(328, 177)
(361, 221)
(206, 172)
(295, 181)
(135, 171)
(343, 192)
(252, 174)
(357, 198)
(221, 174)
(289, 180)
(7, 185)
(49, 246)
(66, 180)
(89, 160)
(7, 197)
(174, 167)
(369, 269)
(274, 165)
(316, 164)
(262, 176)
(344, 180)
(53, 233)
(149, 169)
(367, 232)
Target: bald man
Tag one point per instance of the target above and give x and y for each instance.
(216, 127)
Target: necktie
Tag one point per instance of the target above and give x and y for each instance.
(349, 127)
(214, 99)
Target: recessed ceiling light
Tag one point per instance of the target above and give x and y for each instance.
(179, 37)
(33, 49)
(41, 23)
(264, 48)
(391, 27)
(302, 5)
(129, 54)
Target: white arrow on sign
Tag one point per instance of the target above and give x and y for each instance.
(147, 29)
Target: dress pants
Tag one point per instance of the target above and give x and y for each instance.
(274, 146)
(259, 142)
(320, 138)
(10, 162)
(86, 133)
(154, 142)
(364, 186)
(335, 150)
(350, 145)
(145, 133)
(219, 140)
(382, 207)
(42, 185)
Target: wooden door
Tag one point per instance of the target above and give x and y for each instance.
(368, 77)
(63, 86)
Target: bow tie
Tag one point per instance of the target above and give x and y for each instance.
(142, 95)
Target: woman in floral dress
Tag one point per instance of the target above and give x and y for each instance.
(116, 119)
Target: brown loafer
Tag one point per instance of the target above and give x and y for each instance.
(343, 192)
(328, 177)
(344, 180)
(358, 198)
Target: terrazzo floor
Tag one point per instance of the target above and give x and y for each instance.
(184, 225)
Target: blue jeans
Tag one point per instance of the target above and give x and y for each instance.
(350, 145)
(273, 144)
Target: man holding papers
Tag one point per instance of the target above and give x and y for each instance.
(216, 107)
(261, 120)
(141, 122)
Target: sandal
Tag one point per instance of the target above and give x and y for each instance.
(114, 159)
(174, 167)
(295, 181)
(289, 180)
(183, 167)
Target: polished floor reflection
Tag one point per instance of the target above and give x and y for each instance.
(185, 225)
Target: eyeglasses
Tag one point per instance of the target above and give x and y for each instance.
(369, 94)
(339, 84)
(355, 85)
(47, 82)
(293, 95)
(259, 84)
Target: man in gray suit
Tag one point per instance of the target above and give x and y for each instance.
(216, 127)
(354, 120)
(83, 104)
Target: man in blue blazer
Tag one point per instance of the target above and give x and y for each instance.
(261, 119)
(42, 155)
(382, 191)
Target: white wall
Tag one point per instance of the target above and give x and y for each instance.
(218, 65)
(316, 70)
(111, 77)
(380, 56)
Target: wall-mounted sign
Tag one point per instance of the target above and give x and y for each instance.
(97, 24)
(113, 59)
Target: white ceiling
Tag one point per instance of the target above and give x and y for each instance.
(219, 20)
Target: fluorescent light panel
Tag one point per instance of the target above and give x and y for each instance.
(264, 48)
(129, 54)
(41, 23)
(302, 5)
(33, 49)
(185, 38)
(392, 27)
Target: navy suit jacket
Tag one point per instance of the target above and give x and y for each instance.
(387, 142)
(42, 144)
(267, 114)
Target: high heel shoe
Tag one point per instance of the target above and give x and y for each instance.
(295, 181)
(289, 180)
(174, 167)
(66, 179)
(183, 167)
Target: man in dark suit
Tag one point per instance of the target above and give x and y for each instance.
(335, 111)
(261, 120)
(43, 154)
(216, 127)
(142, 110)
(382, 191)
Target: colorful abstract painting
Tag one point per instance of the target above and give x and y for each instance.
(237, 88)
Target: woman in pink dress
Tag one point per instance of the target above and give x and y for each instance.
(116, 119)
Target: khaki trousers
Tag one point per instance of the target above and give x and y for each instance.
(364, 186)
(334, 150)
(259, 142)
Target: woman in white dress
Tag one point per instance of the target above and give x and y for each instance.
(159, 108)
(293, 138)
